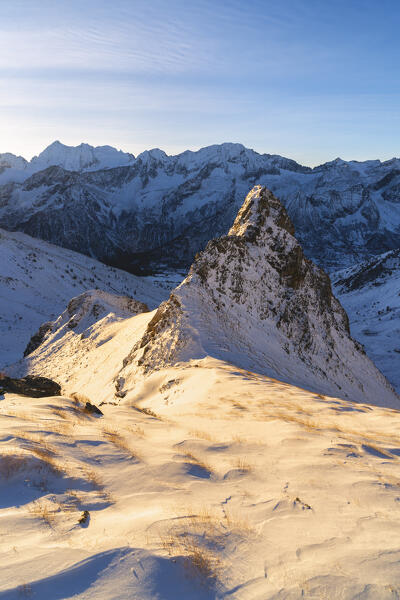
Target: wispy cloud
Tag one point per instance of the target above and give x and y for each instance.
(139, 73)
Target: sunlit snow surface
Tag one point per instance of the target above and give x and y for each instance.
(233, 486)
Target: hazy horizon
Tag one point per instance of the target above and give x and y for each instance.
(193, 149)
(309, 81)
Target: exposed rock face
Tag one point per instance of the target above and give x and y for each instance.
(160, 210)
(375, 272)
(253, 299)
(38, 338)
(32, 386)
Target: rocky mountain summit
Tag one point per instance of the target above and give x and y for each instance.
(253, 299)
(156, 211)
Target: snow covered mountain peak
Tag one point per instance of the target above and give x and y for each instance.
(80, 158)
(155, 154)
(11, 161)
(252, 298)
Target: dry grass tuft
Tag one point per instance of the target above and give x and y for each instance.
(202, 435)
(18, 414)
(199, 535)
(147, 411)
(64, 428)
(11, 464)
(199, 560)
(41, 509)
(238, 524)
(138, 431)
(94, 478)
(45, 452)
(242, 464)
(120, 442)
(59, 412)
(78, 398)
(195, 460)
(239, 405)
(309, 424)
(78, 405)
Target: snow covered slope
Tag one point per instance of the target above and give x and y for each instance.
(212, 483)
(370, 293)
(203, 479)
(38, 279)
(252, 299)
(157, 209)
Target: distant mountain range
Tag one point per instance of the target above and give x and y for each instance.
(156, 211)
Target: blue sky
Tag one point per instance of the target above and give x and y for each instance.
(309, 79)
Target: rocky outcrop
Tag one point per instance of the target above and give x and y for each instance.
(32, 386)
(38, 338)
(252, 298)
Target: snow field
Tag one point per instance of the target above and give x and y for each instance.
(212, 482)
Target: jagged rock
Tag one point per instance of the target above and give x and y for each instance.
(92, 409)
(252, 298)
(38, 337)
(84, 518)
(33, 386)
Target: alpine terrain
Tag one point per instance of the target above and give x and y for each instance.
(156, 211)
(370, 293)
(38, 279)
(233, 443)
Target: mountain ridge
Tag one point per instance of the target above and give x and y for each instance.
(159, 210)
(251, 299)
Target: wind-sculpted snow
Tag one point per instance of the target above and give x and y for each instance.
(156, 210)
(253, 299)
